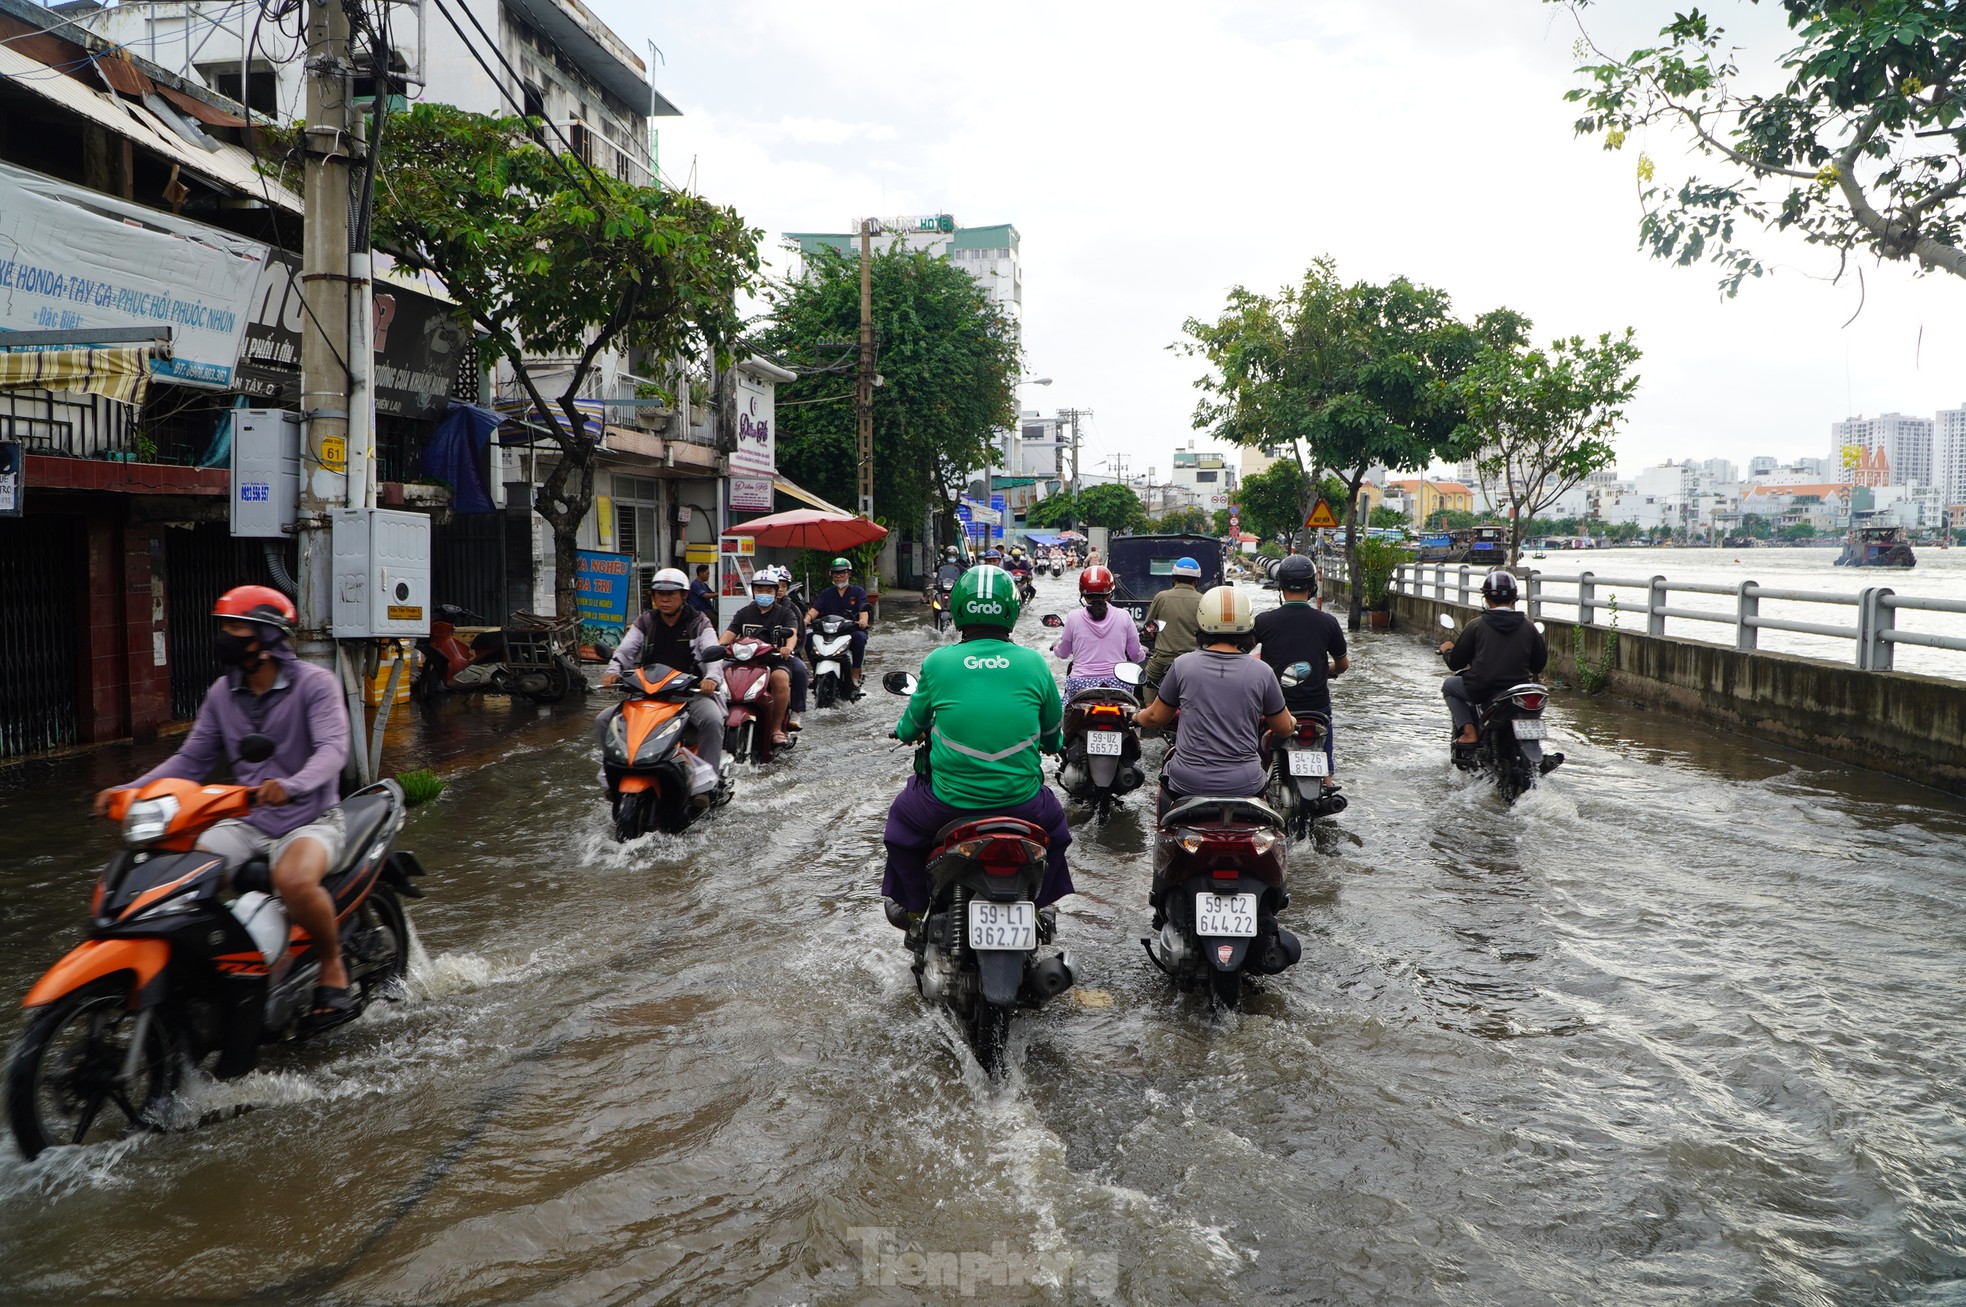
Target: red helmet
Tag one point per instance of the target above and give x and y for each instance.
(1095, 580)
(258, 603)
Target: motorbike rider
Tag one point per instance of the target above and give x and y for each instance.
(1174, 609)
(1498, 649)
(845, 599)
(795, 666)
(674, 635)
(990, 709)
(1295, 632)
(1097, 636)
(778, 627)
(296, 822)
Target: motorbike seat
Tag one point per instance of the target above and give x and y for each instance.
(973, 828)
(1222, 810)
(363, 814)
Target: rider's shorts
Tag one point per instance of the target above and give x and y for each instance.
(238, 843)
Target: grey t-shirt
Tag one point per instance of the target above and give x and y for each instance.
(1223, 698)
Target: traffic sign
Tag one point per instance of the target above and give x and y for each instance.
(1321, 516)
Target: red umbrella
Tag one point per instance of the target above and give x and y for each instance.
(808, 528)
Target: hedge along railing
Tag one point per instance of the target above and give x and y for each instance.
(1874, 609)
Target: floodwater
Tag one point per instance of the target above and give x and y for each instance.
(1681, 1027)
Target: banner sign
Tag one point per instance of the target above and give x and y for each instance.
(601, 584)
(72, 258)
(750, 493)
(756, 452)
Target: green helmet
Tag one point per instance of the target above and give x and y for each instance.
(842, 564)
(984, 596)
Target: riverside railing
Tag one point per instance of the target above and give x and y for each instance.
(1873, 627)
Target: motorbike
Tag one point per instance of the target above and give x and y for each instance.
(1218, 886)
(1100, 760)
(1027, 589)
(1511, 732)
(654, 779)
(1058, 569)
(747, 678)
(450, 666)
(1299, 785)
(976, 948)
(830, 642)
(937, 597)
(172, 972)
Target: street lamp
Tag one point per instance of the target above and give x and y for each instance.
(1036, 381)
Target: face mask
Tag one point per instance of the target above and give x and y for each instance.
(235, 650)
(764, 601)
(840, 584)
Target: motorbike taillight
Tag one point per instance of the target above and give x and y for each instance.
(1529, 702)
(1001, 856)
(1105, 710)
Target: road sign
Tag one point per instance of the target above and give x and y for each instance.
(1321, 516)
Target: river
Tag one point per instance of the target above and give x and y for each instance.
(1681, 1027)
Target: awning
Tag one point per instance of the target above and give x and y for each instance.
(805, 496)
(119, 372)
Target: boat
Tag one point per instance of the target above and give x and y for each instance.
(1877, 546)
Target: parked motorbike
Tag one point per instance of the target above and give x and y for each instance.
(172, 972)
(1218, 886)
(830, 642)
(976, 948)
(450, 666)
(747, 678)
(1511, 732)
(655, 780)
(1300, 786)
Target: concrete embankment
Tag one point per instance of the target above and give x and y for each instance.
(1896, 722)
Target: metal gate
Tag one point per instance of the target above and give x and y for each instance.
(467, 564)
(200, 565)
(41, 602)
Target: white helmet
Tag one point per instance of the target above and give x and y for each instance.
(1225, 610)
(669, 578)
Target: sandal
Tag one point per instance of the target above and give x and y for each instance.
(332, 1007)
(780, 739)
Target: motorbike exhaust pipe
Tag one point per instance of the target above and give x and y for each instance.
(1048, 978)
(1330, 805)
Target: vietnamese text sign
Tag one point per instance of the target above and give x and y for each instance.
(751, 493)
(755, 453)
(601, 583)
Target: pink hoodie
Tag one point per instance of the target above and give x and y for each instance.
(1095, 648)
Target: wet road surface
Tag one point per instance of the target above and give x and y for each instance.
(1683, 1026)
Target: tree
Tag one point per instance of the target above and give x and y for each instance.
(1112, 506)
(1272, 501)
(1060, 510)
(1799, 531)
(1383, 517)
(1545, 417)
(949, 362)
(552, 262)
(1186, 521)
(1220, 522)
(1859, 151)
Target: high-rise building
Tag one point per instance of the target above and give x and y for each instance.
(1720, 471)
(1949, 455)
(988, 254)
(1906, 442)
(1761, 464)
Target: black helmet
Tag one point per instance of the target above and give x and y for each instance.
(1297, 572)
(1498, 587)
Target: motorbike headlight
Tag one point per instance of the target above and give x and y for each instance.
(146, 820)
(168, 908)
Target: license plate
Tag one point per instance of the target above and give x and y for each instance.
(1309, 762)
(1104, 743)
(997, 926)
(1225, 916)
(1531, 728)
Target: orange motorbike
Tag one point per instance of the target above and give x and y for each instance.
(655, 780)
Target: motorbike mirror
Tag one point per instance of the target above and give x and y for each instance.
(1294, 675)
(1052, 620)
(256, 748)
(1128, 673)
(716, 655)
(1446, 623)
(899, 682)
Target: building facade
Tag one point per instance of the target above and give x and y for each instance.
(1906, 443)
(1949, 455)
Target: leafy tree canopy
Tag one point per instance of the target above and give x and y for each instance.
(1057, 511)
(1186, 521)
(1113, 506)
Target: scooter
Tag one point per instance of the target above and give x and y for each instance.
(831, 643)
(1218, 886)
(1511, 731)
(1100, 760)
(1027, 589)
(938, 597)
(171, 972)
(654, 779)
(450, 666)
(747, 678)
(976, 948)
(1300, 786)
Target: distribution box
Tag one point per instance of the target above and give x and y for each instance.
(265, 472)
(381, 573)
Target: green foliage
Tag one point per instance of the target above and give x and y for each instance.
(419, 787)
(1799, 531)
(1053, 512)
(1385, 517)
(948, 358)
(544, 267)
(1272, 501)
(1593, 677)
(1187, 521)
(1858, 151)
(1112, 506)
(1219, 522)
(1376, 560)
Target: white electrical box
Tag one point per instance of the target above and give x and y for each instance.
(265, 472)
(381, 573)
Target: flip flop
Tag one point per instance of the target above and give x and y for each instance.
(780, 740)
(332, 1007)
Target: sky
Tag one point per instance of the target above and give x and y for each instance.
(1152, 156)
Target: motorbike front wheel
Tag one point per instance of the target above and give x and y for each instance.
(66, 1084)
(825, 690)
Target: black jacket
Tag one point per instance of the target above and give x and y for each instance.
(1497, 650)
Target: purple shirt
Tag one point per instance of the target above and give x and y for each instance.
(308, 722)
(1095, 648)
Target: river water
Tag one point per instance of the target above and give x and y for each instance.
(1681, 1027)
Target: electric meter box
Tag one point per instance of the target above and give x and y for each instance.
(381, 573)
(265, 472)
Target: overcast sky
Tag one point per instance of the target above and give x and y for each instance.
(1153, 155)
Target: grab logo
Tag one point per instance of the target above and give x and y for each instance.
(977, 606)
(973, 662)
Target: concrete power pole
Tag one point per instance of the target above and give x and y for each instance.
(1074, 414)
(864, 390)
(325, 290)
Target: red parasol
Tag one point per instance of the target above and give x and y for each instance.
(808, 528)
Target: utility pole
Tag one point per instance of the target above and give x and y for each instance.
(864, 390)
(324, 333)
(1074, 414)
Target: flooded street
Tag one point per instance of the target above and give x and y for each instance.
(1682, 1026)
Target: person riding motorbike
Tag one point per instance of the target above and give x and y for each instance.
(951, 569)
(1498, 649)
(1174, 610)
(1097, 636)
(1295, 632)
(296, 822)
(795, 666)
(777, 626)
(1224, 699)
(676, 636)
(844, 599)
(989, 709)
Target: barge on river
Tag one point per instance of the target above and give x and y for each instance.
(1877, 546)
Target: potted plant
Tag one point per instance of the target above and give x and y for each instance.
(1376, 560)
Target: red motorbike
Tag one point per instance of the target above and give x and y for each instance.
(483, 666)
(1217, 889)
(747, 678)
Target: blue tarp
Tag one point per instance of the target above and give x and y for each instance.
(453, 453)
(1042, 540)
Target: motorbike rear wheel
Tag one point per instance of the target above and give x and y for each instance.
(1225, 988)
(989, 1033)
(65, 1083)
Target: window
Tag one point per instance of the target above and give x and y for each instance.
(262, 90)
(1206, 476)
